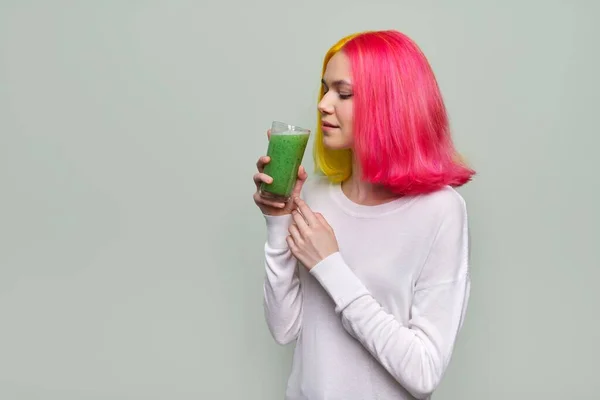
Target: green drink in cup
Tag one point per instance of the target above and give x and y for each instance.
(286, 149)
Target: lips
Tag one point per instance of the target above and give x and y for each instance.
(329, 125)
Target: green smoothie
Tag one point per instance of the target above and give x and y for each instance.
(286, 151)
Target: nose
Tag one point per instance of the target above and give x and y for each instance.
(325, 106)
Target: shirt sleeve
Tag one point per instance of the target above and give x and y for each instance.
(282, 294)
(417, 352)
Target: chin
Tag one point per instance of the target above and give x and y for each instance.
(335, 143)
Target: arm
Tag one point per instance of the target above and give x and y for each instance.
(417, 353)
(282, 299)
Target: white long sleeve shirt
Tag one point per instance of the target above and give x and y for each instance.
(379, 318)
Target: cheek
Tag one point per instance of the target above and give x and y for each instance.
(346, 116)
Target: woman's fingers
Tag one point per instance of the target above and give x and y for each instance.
(307, 213)
(302, 176)
(295, 233)
(262, 161)
(260, 177)
(300, 222)
(258, 199)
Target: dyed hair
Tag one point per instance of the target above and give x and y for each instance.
(401, 132)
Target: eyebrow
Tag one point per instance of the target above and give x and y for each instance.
(338, 83)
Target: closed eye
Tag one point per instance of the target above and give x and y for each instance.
(338, 85)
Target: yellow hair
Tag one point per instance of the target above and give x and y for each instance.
(335, 164)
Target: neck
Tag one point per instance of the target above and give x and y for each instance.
(365, 193)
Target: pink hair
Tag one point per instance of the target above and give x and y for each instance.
(401, 130)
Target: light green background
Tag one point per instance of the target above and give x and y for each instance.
(131, 250)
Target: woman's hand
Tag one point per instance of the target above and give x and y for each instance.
(311, 237)
(269, 207)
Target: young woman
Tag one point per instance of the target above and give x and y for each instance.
(367, 266)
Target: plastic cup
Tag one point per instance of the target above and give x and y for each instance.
(286, 150)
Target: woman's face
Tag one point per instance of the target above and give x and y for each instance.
(336, 106)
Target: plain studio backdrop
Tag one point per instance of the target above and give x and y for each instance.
(131, 261)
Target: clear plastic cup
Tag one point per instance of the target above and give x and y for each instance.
(286, 150)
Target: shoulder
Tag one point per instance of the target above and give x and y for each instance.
(447, 197)
(443, 204)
